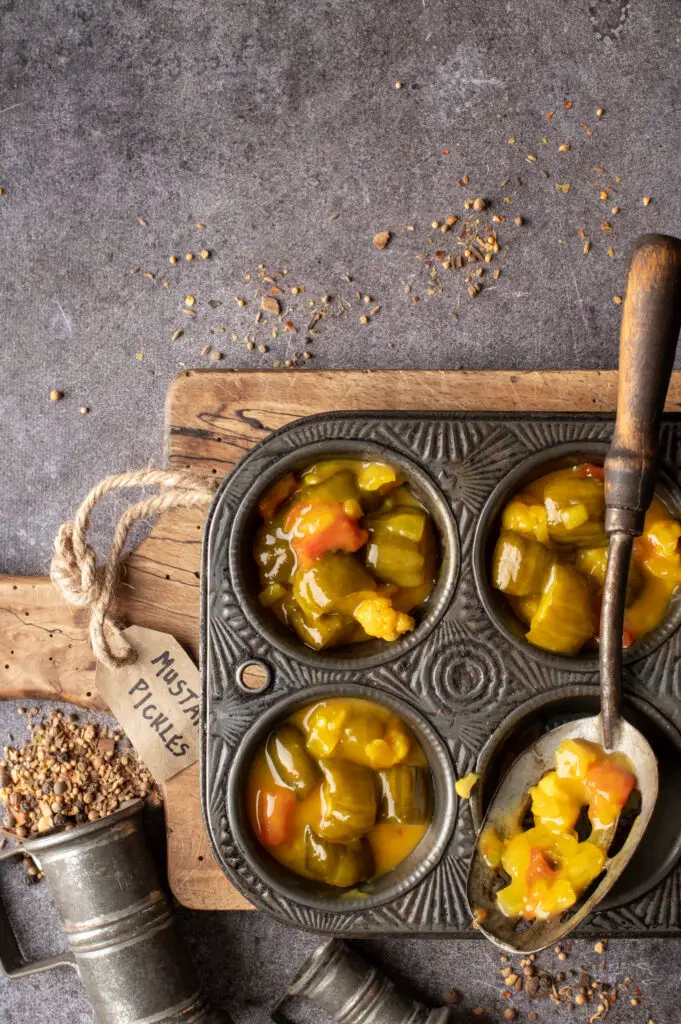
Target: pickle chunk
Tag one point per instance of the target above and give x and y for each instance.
(378, 618)
(348, 800)
(406, 795)
(575, 510)
(520, 565)
(290, 761)
(594, 562)
(564, 619)
(339, 864)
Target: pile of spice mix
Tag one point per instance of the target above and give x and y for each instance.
(65, 774)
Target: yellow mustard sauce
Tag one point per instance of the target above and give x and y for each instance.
(373, 742)
(548, 867)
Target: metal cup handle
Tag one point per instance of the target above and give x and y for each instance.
(12, 962)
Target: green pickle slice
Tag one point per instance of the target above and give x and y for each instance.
(405, 795)
(326, 585)
(339, 864)
(520, 565)
(348, 800)
(564, 619)
(290, 761)
(575, 510)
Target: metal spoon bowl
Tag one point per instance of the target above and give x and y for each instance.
(650, 327)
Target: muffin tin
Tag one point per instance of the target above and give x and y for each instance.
(476, 687)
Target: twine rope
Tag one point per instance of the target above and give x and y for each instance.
(85, 584)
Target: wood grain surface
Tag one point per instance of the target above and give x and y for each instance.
(212, 419)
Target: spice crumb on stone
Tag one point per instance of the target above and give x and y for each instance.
(190, 300)
(55, 396)
(268, 303)
(205, 350)
(172, 259)
(381, 239)
(189, 257)
(84, 410)
(205, 254)
(216, 356)
(647, 200)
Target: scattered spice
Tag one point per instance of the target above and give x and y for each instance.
(519, 221)
(567, 104)
(269, 304)
(216, 356)
(647, 200)
(479, 204)
(381, 239)
(240, 302)
(600, 112)
(56, 396)
(399, 85)
(205, 254)
(172, 259)
(190, 300)
(177, 334)
(564, 147)
(189, 257)
(205, 350)
(617, 299)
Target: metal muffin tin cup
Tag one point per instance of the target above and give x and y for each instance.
(370, 894)
(243, 570)
(487, 532)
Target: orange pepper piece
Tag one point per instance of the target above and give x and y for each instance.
(274, 810)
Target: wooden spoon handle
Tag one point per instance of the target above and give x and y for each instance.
(650, 328)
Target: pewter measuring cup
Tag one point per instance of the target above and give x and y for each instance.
(123, 940)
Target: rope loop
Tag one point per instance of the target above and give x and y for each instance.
(85, 584)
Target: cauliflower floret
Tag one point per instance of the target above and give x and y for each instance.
(377, 617)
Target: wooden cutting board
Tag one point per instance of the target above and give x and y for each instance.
(212, 419)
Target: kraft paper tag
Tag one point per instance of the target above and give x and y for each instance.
(156, 701)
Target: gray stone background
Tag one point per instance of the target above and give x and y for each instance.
(279, 127)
